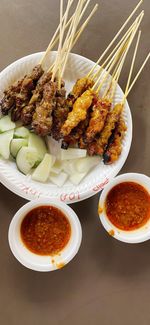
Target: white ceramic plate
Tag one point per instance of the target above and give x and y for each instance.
(95, 181)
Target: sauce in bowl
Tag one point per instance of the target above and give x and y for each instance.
(45, 230)
(127, 206)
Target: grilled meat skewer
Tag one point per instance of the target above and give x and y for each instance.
(98, 146)
(28, 111)
(42, 118)
(114, 147)
(28, 85)
(98, 118)
(79, 112)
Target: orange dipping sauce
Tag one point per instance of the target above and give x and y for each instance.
(45, 230)
(127, 206)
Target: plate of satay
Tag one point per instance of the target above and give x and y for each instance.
(66, 126)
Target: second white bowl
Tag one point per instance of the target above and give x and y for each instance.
(133, 236)
(38, 262)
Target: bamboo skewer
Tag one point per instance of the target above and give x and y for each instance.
(125, 36)
(130, 42)
(80, 31)
(60, 41)
(55, 37)
(77, 35)
(76, 21)
(115, 37)
(131, 68)
(138, 74)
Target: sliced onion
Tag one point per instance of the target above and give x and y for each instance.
(72, 153)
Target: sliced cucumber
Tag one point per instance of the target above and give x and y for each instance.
(26, 159)
(21, 132)
(37, 143)
(42, 172)
(16, 145)
(5, 139)
(6, 124)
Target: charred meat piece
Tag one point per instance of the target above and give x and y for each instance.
(60, 112)
(8, 101)
(79, 112)
(114, 147)
(42, 118)
(23, 97)
(76, 137)
(79, 88)
(28, 111)
(98, 118)
(98, 146)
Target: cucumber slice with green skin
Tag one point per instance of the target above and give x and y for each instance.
(26, 159)
(37, 143)
(5, 139)
(41, 173)
(6, 124)
(16, 145)
(21, 132)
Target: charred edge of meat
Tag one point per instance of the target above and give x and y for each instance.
(42, 118)
(60, 113)
(106, 155)
(23, 98)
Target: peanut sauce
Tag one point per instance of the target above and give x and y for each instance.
(45, 230)
(128, 206)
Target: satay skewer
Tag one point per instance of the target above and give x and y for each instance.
(55, 37)
(114, 147)
(130, 42)
(115, 38)
(83, 103)
(138, 74)
(125, 36)
(102, 107)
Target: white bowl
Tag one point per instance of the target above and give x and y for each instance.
(133, 236)
(38, 262)
(77, 66)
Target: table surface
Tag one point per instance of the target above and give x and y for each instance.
(108, 281)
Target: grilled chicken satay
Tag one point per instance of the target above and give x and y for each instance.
(8, 101)
(23, 97)
(98, 118)
(79, 88)
(98, 146)
(76, 134)
(114, 147)
(28, 111)
(79, 112)
(42, 118)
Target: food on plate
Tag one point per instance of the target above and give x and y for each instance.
(42, 118)
(79, 112)
(128, 206)
(45, 230)
(113, 149)
(98, 146)
(5, 140)
(25, 93)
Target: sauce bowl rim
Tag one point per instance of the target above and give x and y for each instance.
(132, 236)
(44, 264)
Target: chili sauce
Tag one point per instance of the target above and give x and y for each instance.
(128, 206)
(45, 230)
